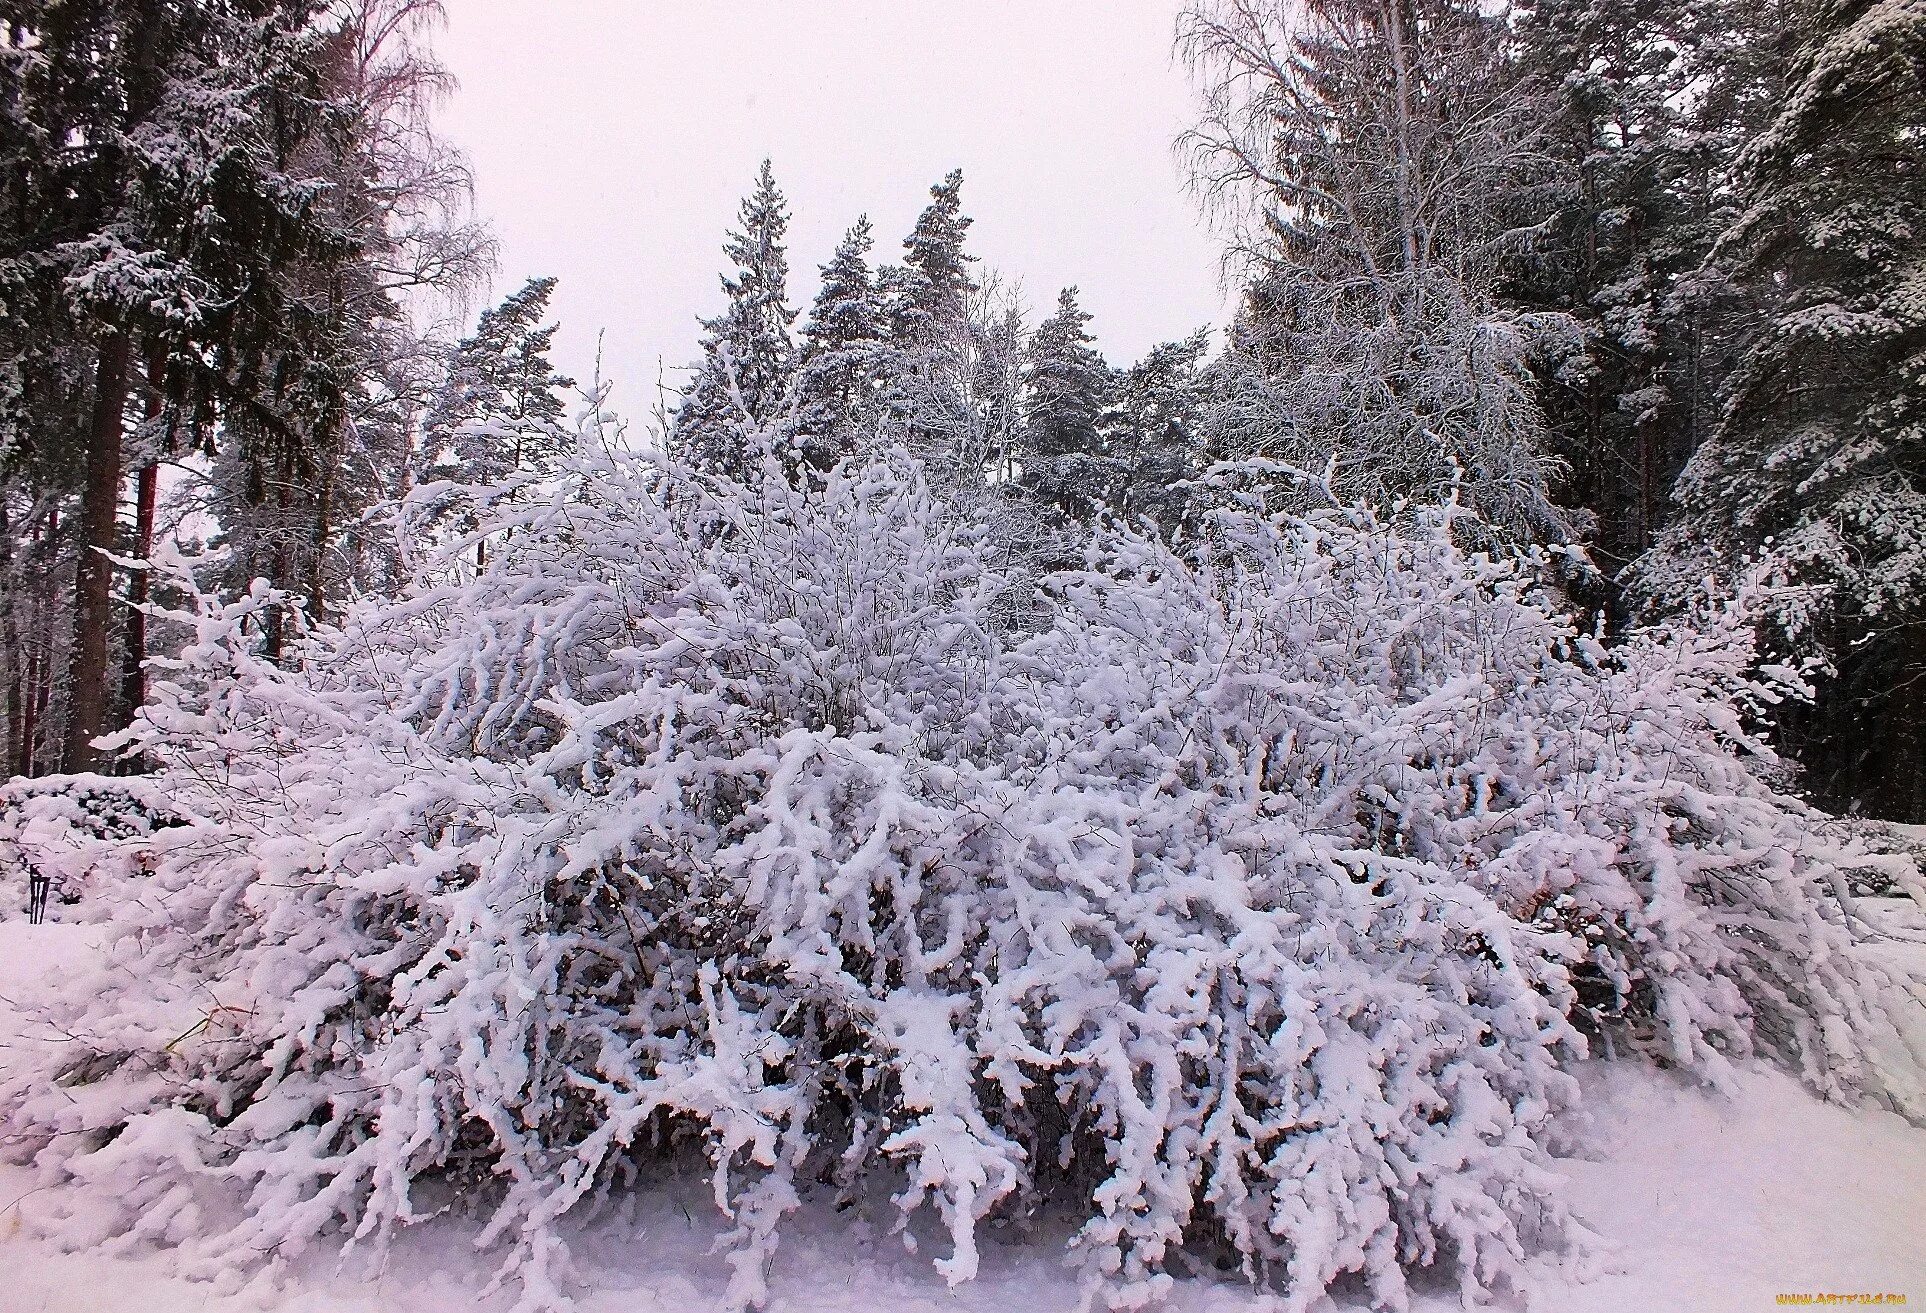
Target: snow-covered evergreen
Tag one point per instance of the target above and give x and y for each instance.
(931, 288)
(1067, 389)
(499, 410)
(844, 356)
(1819, 463)
(747, 355)
(1156, 431)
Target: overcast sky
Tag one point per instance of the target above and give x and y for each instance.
(613, 139)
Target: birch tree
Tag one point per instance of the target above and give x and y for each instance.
(1358, 152)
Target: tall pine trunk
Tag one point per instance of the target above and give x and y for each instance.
(93, 573)
(30, 709)
(39, 675)
(317, 607)
(10, 647)
(133, 673)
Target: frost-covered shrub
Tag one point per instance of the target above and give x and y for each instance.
(1904, 842)
(76, 831)
(1255, 903)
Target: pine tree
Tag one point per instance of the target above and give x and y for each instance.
(154, 184)
(1820, 457)
(952, 372)
(1654, 102)
(210, 256)
(499, 409)
(1155, 428)
(931, 289)
(956, 400)
(498, 413)
(747, 356)
(843, 353)
(1066, 390)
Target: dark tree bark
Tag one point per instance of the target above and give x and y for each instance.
(133, 674)
(93, 575)
(317, 607)
(39, 676)
(10, 643)
(32, 701)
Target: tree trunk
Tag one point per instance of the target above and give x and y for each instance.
(133, 673)
(17, 694)
(39, 681)
(29, 714)
(93, 573)
(42, 702)
(10, 648)
(323, 531)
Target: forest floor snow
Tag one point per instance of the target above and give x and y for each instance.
(1704, 1202)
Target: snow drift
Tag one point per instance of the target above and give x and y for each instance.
(1254, 899)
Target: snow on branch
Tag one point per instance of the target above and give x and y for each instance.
(1255, 898)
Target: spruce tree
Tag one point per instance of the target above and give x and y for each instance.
(208, 212)
(155, 181)
(1654, 103)
(1066, 390)
(499, 410)
(747, 357)
(1155, 431)
(842, 354)
(952, 373)
(930, 291)
(1819, 460)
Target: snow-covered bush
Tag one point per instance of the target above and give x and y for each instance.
(76, 831)
(1254, 902)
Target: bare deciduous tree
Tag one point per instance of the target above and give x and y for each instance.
(1363, 155)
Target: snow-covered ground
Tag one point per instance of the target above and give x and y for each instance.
(1703, 1202)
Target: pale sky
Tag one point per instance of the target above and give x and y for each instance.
(612, 140)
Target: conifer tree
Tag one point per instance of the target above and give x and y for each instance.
(1067, 388)
(498, 413)
(953, 371)
(1155, 431)
(499, 409)
(930, 290)
(155, 183)
(1820, 457)
(747, 356)
(842, 354)
(211, 256)
(313, 435)
(1654, 101)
